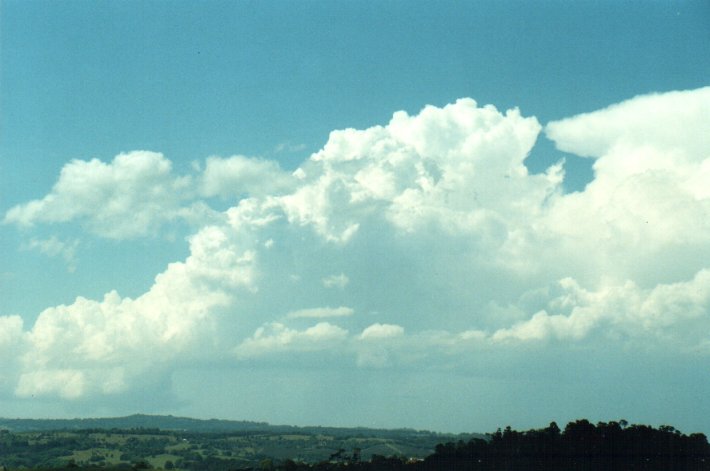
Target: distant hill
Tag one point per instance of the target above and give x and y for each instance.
(171, 423)
(199, 445)
(162, 422)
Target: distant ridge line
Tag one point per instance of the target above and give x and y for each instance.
(187, 424)
(135, 421)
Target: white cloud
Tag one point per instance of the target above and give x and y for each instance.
(436, 222)
(380, 342)
(381, 331)
(129, 197)
(68, 384)
(460, 167)
(336, 281)
(54, 247)
(666, 122)
(104, 346)
(646, 206)
(239, 175)
(321, 312)
(10, 326)
(276, 337)
(289, 147)
(675, 315)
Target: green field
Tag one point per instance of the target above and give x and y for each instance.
(189, 450)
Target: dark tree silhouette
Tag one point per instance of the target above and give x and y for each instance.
(613, 446)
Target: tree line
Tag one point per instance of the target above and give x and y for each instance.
(580, 446)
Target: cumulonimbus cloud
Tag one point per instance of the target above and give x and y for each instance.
(450, 246)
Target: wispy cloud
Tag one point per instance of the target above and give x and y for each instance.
(321, 312)
(54, 247)
(336, 281)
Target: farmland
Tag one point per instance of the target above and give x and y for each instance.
(184, 449)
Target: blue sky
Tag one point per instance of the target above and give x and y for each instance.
(442, 215)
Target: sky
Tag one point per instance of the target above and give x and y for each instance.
(452, 216)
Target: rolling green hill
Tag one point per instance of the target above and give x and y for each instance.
(185, 442)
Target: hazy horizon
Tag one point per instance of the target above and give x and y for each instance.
(433, 215)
